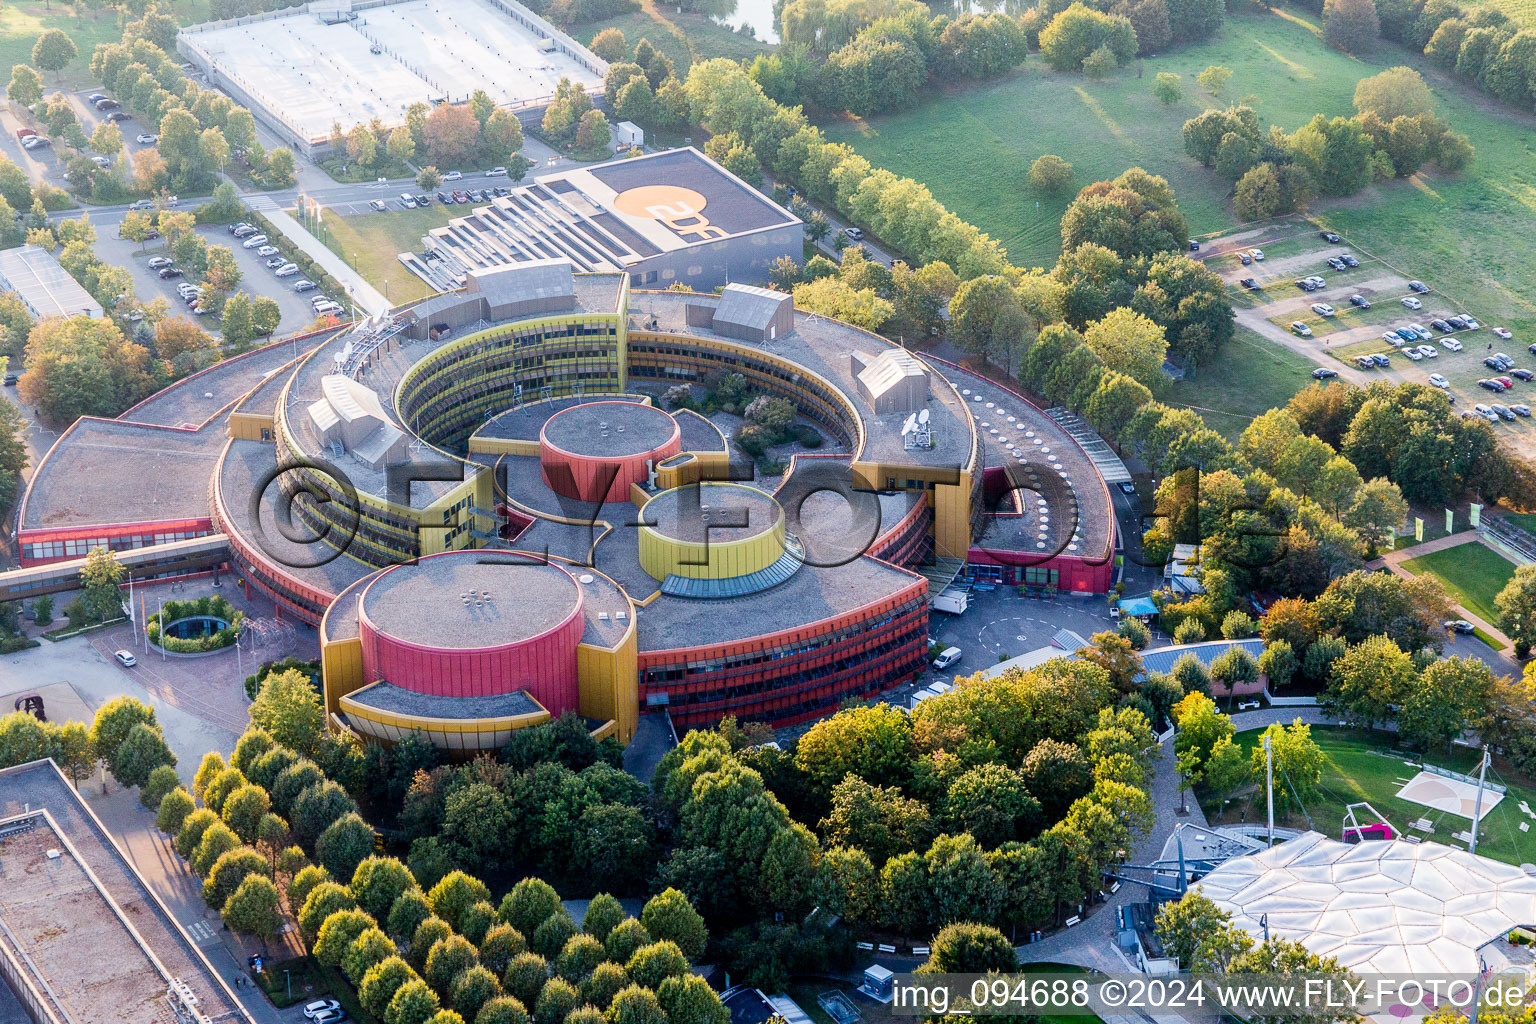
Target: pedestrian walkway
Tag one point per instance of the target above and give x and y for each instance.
(363, 294)
(1393, 561)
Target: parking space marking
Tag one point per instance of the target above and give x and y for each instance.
(201, 933)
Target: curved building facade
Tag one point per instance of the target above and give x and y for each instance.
(482, 503)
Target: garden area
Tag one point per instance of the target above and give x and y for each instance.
(1361, 765)
(1472, 574)
(194, 627)
(371, 241)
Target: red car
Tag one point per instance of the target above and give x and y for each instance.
(1505, 381)
(22, 133)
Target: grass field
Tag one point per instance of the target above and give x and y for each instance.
(371, 241)
(1364, 766)
(684, 38)
(1248, 377)
(21, 24)
(1444, 230)
(1473, 574)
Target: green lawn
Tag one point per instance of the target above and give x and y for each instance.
(370, 242)
(684, 38)
(1473, 575)
(1248, 377)
(1445, 231)
(1364, 766)
(22, 23)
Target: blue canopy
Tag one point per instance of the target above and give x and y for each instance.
(1138, 606)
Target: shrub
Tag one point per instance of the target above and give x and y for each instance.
(174, 808)
(1050, 173)
(1190, 631)
(160, 782)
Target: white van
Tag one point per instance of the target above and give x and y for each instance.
(946, 658)
(254, 241)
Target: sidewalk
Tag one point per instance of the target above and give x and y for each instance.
(362, 293)
(1393, 560)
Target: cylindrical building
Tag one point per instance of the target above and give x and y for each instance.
(594, 452)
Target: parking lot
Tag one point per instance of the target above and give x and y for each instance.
(256, 278)
(1356, 329)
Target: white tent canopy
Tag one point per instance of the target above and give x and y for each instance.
(1378, 906)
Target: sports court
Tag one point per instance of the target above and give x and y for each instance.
(306, 69)
(1450, 792)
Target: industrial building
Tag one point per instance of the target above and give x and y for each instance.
(45, 287)
(674, 217)
(302, 69)
(493, 517)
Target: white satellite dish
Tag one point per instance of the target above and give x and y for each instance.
(907, 427)
(922, 417)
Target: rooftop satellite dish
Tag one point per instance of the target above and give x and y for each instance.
(922, 417)
(907, 427)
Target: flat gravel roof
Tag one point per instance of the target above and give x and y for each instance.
(609, 429)
(387, 696)
(715, 513)
(422, 603)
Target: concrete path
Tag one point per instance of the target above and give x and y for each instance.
(362, 293)
(1393, 561)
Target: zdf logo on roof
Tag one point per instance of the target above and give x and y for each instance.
(681, 209)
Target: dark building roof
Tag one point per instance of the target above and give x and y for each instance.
(470, 600)
(386, 696)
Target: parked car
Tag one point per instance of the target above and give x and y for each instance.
(1349, 261)
(501, 190)
(1422, 331)
(378, 204)
(141, 204)
(1442, 326)
(243, 230)
(119, 116)
(1382, 360)
(1322, 309)
(35, 142)
(146, 138)
(947, 657)
(1365, 362)
(1413, 354)
(267, 250)
(1470, 324)
(156, 262)
(273, 262)
(1336, 263)
(496, 172)
(1508, 363)
(306, 285)
(1520, 410)
(1323, 373)
(1438, 381)
(1504, 411)
(1502, 332)
(105, 103)
(1328, 236)
(1391, 338)
(423, 201)
(1412, 303)
(1458, 626)
(1194, 245)
(1490, 385)
(1418, 286)
(330, 1017)
(1250, 284)
(445, 198)
(1521, 374)
(460, 196)
(1244, 259)
(1359, 302)
(1300, 329)
(1508, 382)
(166, 273)
(1492, 363)
(320, 1006)
(1429, 352)
(854, 233)
(407, 200)
(1452, 344)
(101, 161)
(254, 242)
(287, 270)
(1408, 334)
(1257, 254)
(453, 176)
(93, 97)
(1486, 412)
(125, 658)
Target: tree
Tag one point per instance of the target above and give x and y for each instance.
(1226, 769)
(379, 985)
(1184, 923)
(217, 841)
(668, 915)
(281, 167)
(53, 51)
(472, 989)
(266, 314)
(529, 904)
(1100, 62)
(1516, 605)
(1050, 173)
(446, 959)
(413, 1002)
(1371, 680)
(1168, 88)
(1201, 727)
(378, 882)
(344, 844)
(690, 1000)
(502, 1010)
(969, 949)
(428, 178)
(243, 809)
(451, 133)
(1448, 697)
(652, 964)
(228, 872)
(175, 806)
(254, 908)
(115, 722)
(315, 809)
(609, 44)
(1298, 762)
(1214, 79)
(26, 86)
(1129, 343)
(633, 1005)
(288, 708)
(559, 997)
(1350, 25)
(1078, 31)
(77, 366)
